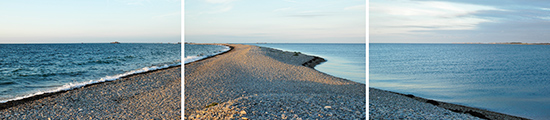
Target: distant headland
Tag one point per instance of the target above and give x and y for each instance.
(515, 43)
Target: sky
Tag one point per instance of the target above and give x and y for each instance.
(275, 21)
(458, 21)
(90, 21)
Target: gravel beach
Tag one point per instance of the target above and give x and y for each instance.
(150, 95)
(251, 82)
(387, 105)
(391, 105)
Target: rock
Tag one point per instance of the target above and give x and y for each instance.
(283, 116)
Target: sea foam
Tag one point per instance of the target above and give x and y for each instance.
(71, 86)
(189, 59)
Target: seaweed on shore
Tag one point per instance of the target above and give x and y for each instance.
(211, 105)
(297, 53)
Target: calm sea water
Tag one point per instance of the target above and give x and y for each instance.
(31, 69)
(195, 52)
(512, 79)
(343, 60)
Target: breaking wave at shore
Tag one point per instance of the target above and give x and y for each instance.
(194, 52)
(70, 86)
(28, 70)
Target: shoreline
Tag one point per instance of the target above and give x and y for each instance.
(253, 82)
(232, 107)
(12, 103)
(4, 104)
(230, 48)
(477, 112)
(106, 94)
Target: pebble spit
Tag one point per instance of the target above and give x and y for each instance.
(386, 105)
(251, 82)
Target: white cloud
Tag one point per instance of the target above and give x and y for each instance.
(219, 9)
(309, 11)
(173, 14)
(219, 1)
(282, 9)
(547, 9)
(225, 8)
(134, 2)
(290, 1)
(219, 6)
(357, 7)
(406, 16)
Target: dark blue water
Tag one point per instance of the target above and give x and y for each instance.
(32, 69)
(195, 52)
(512, 79)
(343, 60)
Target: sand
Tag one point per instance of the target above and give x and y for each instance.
(251, 82)
(150, 95)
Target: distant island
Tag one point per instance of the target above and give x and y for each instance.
(515, 43)
(115, 42)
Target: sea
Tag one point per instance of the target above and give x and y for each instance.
(344, 60)
(194, 52)
(506, 78)
(27, 70)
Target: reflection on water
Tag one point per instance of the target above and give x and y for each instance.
(511, 79)
(343, 60)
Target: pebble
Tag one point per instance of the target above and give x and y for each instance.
(277, 87)
(385, 105)
(152, 93)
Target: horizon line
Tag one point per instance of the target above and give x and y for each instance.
(278, 42)
(101, 43)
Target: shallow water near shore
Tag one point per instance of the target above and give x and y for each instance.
(343, 60)
(194, 52)
(510, 79)
(33, 69)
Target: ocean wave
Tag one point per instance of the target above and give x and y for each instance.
(70, 86)
(7, 83)
(53, 74)
(189, 59)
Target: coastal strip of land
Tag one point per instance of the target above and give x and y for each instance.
(391, 105)
(510, 43)
(150, 95)
(251, 82)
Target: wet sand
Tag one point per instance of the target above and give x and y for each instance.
(150, 95)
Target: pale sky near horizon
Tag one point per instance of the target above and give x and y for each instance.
(275, 21)
(90, 21)
(449, 21)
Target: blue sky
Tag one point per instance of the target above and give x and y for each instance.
(448, 21)
(277, 21)
(90, 21)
